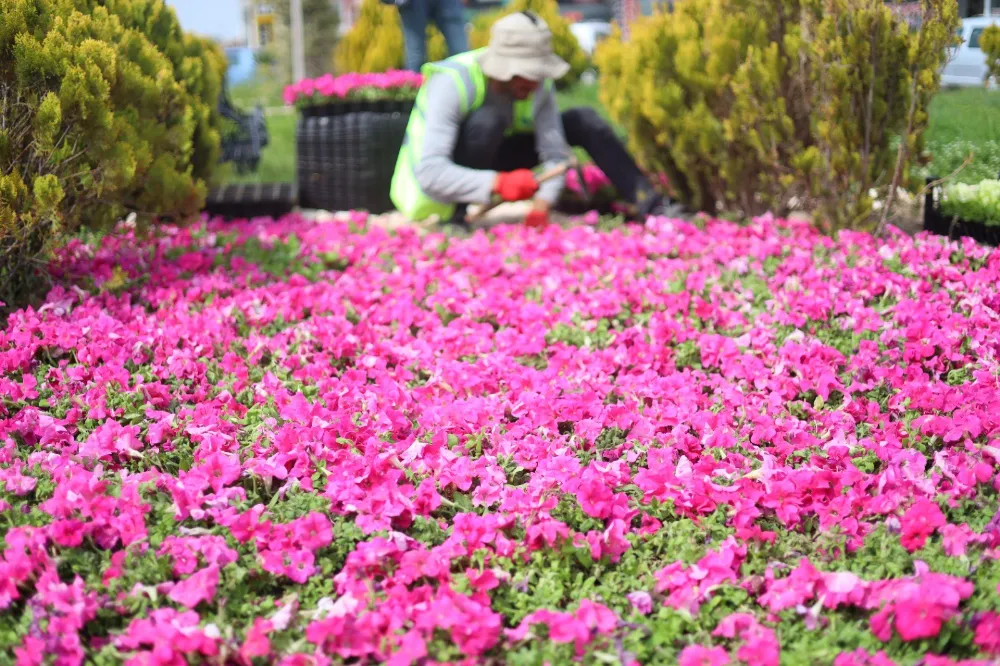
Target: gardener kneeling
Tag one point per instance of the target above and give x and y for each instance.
(484, 118)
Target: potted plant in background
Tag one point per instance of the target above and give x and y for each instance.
(348, 136)
(964, 209)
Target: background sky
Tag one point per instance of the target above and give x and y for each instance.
(215, 18)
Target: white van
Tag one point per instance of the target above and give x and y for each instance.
(967, 66)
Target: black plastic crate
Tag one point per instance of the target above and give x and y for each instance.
(346, 154)
(247, 200)
(573, 206)
(938, 223)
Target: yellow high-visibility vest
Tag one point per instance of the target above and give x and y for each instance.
(468, 76)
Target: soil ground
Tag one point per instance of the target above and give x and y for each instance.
(909, 217)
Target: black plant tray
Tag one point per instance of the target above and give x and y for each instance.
(248, 200)
(938, 223)
(570, 206)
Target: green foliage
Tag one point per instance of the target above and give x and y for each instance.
(989, 42)
(564, 43)
(561, 578)
(687, 355)
(375, 41)
(983, 160)
(320, 23)
(754, 106)
(109, 108)
(598, 338)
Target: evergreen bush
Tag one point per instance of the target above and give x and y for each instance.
(107, 108)
(989, 42)
(764, 105)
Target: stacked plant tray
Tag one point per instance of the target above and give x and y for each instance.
(939, 223)
(248, 200)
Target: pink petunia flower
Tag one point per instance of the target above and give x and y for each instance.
(919, 522)
(698, 655)
(988, 633)
(196, 588)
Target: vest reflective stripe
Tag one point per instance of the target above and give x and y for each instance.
(464, 70)
(409, 158)
(465, 83)
(415, 126)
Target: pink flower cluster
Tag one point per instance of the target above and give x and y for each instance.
(916, 607)
(329, 88)
(284, 550)
(688, 587)
(594, 179)
(579, 627)
(721, 442)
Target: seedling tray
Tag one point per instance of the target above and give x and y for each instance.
(954, 228)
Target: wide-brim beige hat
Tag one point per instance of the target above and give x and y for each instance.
(521, 45)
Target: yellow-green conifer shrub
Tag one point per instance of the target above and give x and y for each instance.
(106, 113)
(989, 41)
(199, 64)
(375, 42)
(755, 105)
(563, 42)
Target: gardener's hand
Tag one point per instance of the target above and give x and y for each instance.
(516, 185)
(538, 216)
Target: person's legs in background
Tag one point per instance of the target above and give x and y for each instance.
(449, 17)
(483, 144)
(585, 128)
(414, 17)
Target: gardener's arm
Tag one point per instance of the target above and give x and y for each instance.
(438, 175)
(550, 142)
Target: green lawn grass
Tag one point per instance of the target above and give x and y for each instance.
(581, 95)
(964, 123)
(965, 115)
(265, 91)
(961, 122)
(277, 159)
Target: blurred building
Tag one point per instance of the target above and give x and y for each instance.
(259, 16)
(967, 8)
(910, 9)
(573, 10)
(258, 23)
(348, 11)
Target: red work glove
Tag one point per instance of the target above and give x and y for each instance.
(516, 185)
(536, 218)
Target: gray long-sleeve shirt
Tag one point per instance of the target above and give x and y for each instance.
(443, 180)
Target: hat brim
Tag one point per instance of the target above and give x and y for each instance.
(533, 69)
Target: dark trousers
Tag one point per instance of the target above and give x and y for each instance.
(447, 15)
(482, 145)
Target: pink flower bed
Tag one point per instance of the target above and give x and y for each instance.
(297, 443)
(326, 89)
